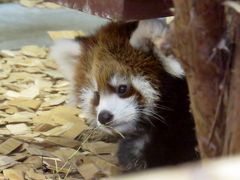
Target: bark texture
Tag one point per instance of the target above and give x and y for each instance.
(211, 59)
(232, 134)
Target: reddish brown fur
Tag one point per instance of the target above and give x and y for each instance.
(109, 52)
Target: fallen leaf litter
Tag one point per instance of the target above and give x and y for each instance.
(40, 136)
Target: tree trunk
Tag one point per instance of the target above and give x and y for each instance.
(200, 39)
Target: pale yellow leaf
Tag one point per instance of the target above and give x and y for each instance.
(30, 3)
(25, 103)
(7, 53)
(65, 34)
(18, 129)
(13, 174)
(34, 51)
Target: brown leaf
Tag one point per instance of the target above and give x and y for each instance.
(31, 174)
(25, 103)
(13, 174)
(100, 147)
(9, 145)
(89, 171)
(6, 162)
(63, 141)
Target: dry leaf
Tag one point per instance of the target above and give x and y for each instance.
(31, 174)
(57, 131)
(50, 64)
(14, 120)
(65, 153)
(18, 129)
(6, 162)
(100, 147)
(34, 51)
(5, 71)
(25, 103)
(89, 171)
(34, 161)
(31, 92)
(5, 132)
(38, 152)
(57, 165)
(20, 156)
(30, 3)
(9, 145)
(63, 141)
(105, 165)
(11, 110)
(54, 102)
(65, 110)
(54, 74)
(43, 127)
(55, 35)
(13, 174)
(7, 53)
(51, 5)
(23, 115)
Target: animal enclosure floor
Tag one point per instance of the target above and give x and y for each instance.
(40, 136)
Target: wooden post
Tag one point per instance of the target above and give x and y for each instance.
(201, 41)
(198, 29)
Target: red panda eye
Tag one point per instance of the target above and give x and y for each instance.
(96, 98)
(122, 90)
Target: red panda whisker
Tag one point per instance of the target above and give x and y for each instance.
(154, 115)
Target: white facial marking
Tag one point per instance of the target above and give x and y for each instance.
(117, 80)
(85, 104)
(145, 88)
(124, 111)
(66, 53)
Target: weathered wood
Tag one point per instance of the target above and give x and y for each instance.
(199, 28)
(121, 9)
(232, 137)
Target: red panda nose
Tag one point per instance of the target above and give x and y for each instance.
(105, 117)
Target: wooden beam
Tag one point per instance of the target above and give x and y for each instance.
(123, 10)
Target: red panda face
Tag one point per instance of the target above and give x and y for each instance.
(115, 98)
(116, 85)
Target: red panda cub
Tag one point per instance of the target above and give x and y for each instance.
(122, 85)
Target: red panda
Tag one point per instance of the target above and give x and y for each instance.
(122, 85)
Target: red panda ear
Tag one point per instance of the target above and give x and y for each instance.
(147, 32)
(152, 35)
(66, 53)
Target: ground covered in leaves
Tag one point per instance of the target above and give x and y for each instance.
(40, 136)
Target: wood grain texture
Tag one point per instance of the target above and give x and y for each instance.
(121, 9)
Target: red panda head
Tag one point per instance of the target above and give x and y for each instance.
(116, 85)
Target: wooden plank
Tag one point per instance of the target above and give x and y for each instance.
(121, 9)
